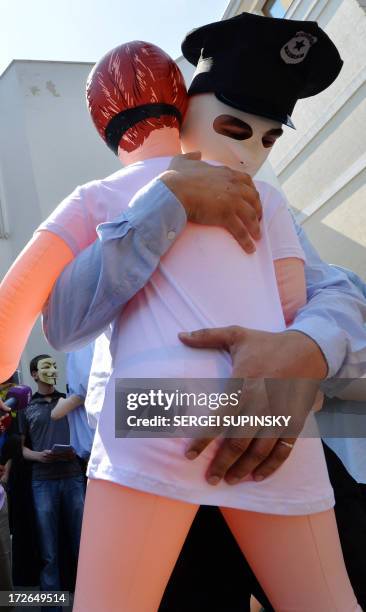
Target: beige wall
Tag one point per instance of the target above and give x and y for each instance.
(48, 146)
(338, 228)
(321, 166)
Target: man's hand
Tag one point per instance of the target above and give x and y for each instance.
(46, 456)
(4, 418)
(216, 195)
(262, 355)
(4, 407)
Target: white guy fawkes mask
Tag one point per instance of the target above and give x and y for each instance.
(226, 135)
(47, 370)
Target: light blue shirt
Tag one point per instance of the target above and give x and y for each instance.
(95, 286)
(77, 371)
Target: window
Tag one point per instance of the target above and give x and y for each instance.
(276, 8)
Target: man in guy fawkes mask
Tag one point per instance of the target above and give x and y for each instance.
(57, 479)
(45, 374)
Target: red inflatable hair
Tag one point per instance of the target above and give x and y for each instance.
(136, 75)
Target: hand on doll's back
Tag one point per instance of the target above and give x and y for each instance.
(216, 195)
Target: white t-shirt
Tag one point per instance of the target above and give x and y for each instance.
(204, 280)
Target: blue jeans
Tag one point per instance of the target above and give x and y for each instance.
(48, 496)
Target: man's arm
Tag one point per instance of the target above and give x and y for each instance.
(95, 286)
(334, 316)
(66, 405)
(45, 456)
(31, 455)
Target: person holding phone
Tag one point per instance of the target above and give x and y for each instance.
(57, 479)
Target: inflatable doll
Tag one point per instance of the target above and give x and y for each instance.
(21, 299)
(158, 103)
(144, 490)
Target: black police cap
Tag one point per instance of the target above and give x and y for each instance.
(261, 65)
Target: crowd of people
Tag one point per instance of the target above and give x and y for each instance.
(44, 455)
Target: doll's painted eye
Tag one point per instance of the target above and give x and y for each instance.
(268, 142)
(270, 137)
(230, 126)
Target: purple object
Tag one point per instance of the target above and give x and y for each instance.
(22, 396)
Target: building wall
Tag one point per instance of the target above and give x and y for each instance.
(322, 166)
(48, 147)
(5, 251)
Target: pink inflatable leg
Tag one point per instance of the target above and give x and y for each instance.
(129, 545)
(297, 559)
(131, 540)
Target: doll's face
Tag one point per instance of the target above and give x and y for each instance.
(236, 139)
(47, 370)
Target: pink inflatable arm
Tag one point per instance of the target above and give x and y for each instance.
(291, 284)
(24, 291)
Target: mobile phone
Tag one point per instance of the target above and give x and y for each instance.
(61, 448)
